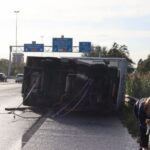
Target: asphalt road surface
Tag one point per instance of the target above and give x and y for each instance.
(40, 131)
(81, 132)
(13, 130)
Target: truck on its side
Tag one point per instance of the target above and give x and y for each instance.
(85, 83)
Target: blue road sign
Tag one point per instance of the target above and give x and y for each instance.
(62, 44)
(33, 47)
(84, 46)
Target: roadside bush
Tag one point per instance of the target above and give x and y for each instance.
(129, 120)
(138, 85)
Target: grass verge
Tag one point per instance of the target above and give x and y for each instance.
(129, 121)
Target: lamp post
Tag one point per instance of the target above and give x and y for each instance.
(16, 12)
(10, 48)
(9, 64)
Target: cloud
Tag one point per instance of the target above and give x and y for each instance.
(80, 19)
(73, 9)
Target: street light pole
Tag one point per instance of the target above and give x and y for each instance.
(9, 65)
(10, 48)
(16, 12)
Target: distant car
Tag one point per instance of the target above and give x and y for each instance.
(19, 78)
(3, 77)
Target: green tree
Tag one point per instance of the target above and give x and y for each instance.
(120, 51)
(116, 51)
(97, 51)
(17, 68)
(4, 65)
(144, 65)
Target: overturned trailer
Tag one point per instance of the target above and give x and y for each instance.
(75, 83)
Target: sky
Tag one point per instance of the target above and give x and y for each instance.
(102, 22)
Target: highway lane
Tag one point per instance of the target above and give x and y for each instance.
(13, 130)
(11, 96)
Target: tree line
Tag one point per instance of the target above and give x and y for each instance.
(121, 51)
(15, 67)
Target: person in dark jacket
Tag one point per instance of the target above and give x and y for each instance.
(142, 113)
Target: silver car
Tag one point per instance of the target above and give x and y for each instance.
(19, 78)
